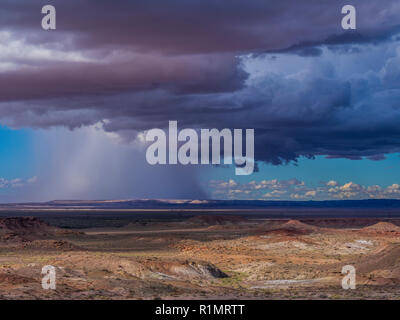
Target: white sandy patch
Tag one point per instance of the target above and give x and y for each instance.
(357, 246)
(283, 244)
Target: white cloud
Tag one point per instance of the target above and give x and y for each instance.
(15, 50)
(311, 193)
(332, 183)
(16, 182)
(298, 190)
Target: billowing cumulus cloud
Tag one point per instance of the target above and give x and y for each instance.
(297, 190)
(16, 182)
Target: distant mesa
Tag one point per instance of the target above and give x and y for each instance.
(202, 204)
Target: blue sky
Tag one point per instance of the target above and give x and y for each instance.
(313, 171)
(16, 153)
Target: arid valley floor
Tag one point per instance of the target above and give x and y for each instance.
(202, 256)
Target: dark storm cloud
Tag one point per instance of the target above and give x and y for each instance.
(137, 64)
(186, 45)
(335, 42)
(178, 74)
(197, 26)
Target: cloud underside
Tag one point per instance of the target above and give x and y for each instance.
(295, 189)
(287, 70)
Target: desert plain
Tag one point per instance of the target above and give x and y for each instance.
(197, 255)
